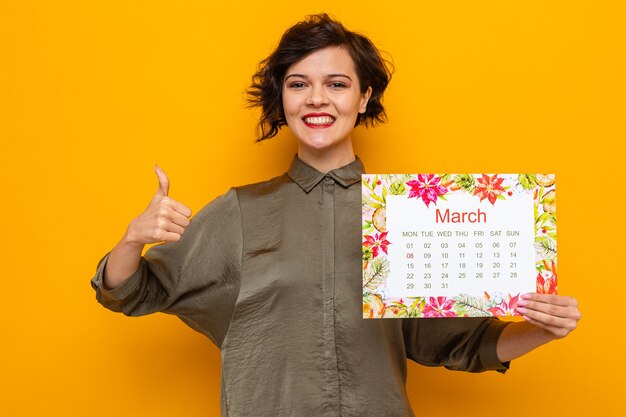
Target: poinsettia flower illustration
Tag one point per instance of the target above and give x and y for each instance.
(377, 242)
(507, 308)
(489, 188)
(427, 188)
(546, 282)
(439, 307)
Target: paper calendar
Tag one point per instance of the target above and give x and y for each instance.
(456, 245)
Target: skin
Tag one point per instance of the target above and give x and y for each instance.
(325, 82)
(164, 220)
(548, 317)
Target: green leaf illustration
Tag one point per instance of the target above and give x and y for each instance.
(546, 247)
(375, 274)
(367, 253)
(548, 198)
(472, 306)
(377, 198)
(397, 188)
(466, 182)
(368, 183)
(398, 309)
(366, 201)
(546, 218)
(527, 181)
(415, 310)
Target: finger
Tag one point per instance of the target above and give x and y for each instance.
(179, 220)
(551, 299)
(171, 237)
(549, 309)
(174, 228)
(568, 323)
(161, 234)
(164, 182)
(557, 331)
(180, 208)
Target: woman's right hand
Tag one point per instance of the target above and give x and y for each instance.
(164, 220)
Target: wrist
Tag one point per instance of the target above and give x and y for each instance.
(543, 335)
(130, 239)
(519, 338)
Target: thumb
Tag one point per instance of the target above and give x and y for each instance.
(164, 182)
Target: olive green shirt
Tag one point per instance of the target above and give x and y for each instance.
(271, 273)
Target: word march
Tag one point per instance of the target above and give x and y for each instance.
(460, 217)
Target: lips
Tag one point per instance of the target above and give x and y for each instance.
(318, 120)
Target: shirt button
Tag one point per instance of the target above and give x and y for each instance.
(328, 178)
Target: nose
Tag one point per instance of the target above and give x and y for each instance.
(317, 96)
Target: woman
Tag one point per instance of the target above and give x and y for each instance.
(271, 272)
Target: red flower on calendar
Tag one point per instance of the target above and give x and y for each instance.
(439, 307)
(506, 308)
(490, 188)
(426, 187)
(376, 243)
(547, 279)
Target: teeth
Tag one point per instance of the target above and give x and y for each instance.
(321, 120)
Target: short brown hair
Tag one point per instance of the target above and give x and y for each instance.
(305, 37)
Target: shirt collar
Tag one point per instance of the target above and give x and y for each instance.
(308, 177)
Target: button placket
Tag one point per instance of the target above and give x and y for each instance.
(328, 284)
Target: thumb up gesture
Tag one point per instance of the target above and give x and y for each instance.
(164, 220)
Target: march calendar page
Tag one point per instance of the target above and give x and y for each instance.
(456, 245)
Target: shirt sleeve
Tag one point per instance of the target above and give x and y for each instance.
(463, 344)
(196, 278)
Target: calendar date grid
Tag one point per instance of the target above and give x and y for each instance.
(437, 261)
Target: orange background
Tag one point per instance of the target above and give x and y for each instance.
(93, 94)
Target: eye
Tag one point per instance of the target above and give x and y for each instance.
(296, 85)
(337, 84)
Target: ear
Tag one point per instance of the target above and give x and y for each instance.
(365, 97)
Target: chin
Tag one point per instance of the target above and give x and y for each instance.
(318, 146)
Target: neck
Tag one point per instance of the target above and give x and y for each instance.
(324, 160)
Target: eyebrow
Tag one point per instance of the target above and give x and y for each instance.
(328, 76)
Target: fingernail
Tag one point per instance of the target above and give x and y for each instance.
(521, 310)
(526, 296)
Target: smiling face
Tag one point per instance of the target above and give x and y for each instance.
(321, 100)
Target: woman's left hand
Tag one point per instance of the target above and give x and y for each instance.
(556, 314)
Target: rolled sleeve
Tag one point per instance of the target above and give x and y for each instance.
(462, 344)
(121, 292)
(487, 351)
